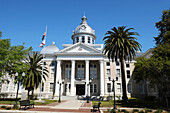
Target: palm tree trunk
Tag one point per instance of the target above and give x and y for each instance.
(124, 97)
(28, 93)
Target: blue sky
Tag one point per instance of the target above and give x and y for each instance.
(25, 20)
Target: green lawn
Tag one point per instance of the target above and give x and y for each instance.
(47, 101)
(135, 103)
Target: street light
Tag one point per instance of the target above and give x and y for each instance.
(87, 97)
(114, 90)
(60, 89)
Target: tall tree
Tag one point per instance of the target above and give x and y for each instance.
(121, 44)
(17, 65)
(34, 72)
(164, 28)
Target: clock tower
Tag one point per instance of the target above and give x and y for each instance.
(84, 33)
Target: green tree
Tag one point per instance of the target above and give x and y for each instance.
(17, 65)
(164, 28)
(34, 72)
(121, 44)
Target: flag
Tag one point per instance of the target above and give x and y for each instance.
(44, 36)
(42, 44)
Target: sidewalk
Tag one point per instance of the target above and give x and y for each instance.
(74, 106)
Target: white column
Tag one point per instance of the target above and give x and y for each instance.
(101, 78)
(72, 77)
(87, 78)
(58, 77)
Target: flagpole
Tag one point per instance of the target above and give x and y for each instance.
(42, 68)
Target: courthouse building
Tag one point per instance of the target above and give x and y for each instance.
(80, 68)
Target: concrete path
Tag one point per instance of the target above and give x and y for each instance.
(71, 104)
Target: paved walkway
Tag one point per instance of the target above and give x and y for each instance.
(71, 104)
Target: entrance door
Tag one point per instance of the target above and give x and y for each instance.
(80, 89)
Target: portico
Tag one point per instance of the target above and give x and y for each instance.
(76, 75)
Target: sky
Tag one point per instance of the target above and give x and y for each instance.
(24, 21)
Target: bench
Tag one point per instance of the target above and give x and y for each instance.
(96, 107)
(26, 103)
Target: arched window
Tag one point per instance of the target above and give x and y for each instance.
(77, 39)
(93, 40)
(88, 39)
(83, 39)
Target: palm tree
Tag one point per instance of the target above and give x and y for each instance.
(34, 72)
(120, 44)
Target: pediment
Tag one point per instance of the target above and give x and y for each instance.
(80, 48)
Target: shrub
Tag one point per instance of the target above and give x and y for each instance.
(109, 97)
(141, 111)
(123, 110)
(3, 106)
(8, 108)
(113, 111)
(148, 110)
(158, 111)
(15, 107)
(135, 110)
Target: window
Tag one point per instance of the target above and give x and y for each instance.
(127, 65)
(118, 87)
(107, 63)
(128, 73)
(93, 71)
(88, 39)
(52, 72)
(77, 39)
(7, 86)
(52, 63)
(117, 72)
(51, 87)
(93, 40)
(68, 71)
(117, 63)
(80, 71)
(83, 39)
(93, 88)
(108, 73)
(129, 88)
(108, 87)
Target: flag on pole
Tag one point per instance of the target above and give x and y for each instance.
(42, 44)
(44, 36)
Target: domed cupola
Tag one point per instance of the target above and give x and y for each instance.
(51, 49)
(84, 33)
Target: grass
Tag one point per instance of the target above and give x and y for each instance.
(133, 103)
(47, 101)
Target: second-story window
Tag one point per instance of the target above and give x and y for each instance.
(83, 39)
(77, 39)
(88, 39)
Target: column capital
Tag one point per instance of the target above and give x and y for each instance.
(87, 61)
(101, 61)
(73, 61)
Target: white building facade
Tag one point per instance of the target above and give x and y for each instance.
(80, 68)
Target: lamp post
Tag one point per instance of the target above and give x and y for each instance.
(60, 89)
(19, 79)
(114, 90)
(88, 91)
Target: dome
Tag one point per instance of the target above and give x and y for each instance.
(51, 49)
(84, 28)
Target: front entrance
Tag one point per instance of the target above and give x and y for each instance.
(80, 89)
